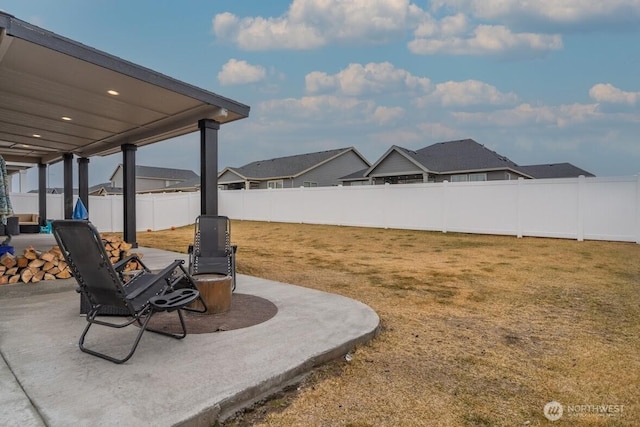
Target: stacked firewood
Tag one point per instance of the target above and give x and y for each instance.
(34, 266)
(118, 249)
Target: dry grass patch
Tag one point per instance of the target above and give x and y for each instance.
(477, 330)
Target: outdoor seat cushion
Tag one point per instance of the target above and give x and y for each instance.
(28, 219)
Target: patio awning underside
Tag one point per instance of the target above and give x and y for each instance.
(45, 77)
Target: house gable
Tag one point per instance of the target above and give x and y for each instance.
(286, 167)
(149, 178)
(442, 161)
(395, 162)
(328, 173)
(229, 175)
(322, 168)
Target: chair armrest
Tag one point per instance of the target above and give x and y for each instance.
(161, 275)
(174, 300)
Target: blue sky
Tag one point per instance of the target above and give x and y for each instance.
(543, 81)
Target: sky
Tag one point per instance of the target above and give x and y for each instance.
(544, 81)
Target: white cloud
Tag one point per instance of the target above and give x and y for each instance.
(340, 110)
(372, 78)
(610, 94)
(319, 108)
(487, 39)
(386, 115)
(553, 11)
(526, 114)
(466, 93)
(448, 26)
(310, 24)
(236, 72)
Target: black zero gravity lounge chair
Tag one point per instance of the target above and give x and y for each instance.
(212, 251)
(101, 283)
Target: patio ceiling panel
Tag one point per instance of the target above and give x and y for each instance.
(45, 77)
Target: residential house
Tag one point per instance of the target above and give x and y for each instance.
(453, 161)
(54, 190)
(319, 169)
(104, 189)
(150, 179)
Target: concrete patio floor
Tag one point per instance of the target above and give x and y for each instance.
(45, 380)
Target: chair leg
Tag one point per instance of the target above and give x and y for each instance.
(169, 334)
(90, 319)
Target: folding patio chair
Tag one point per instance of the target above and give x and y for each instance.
(101, 282)
(211, 251)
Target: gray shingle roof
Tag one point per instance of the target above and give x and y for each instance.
(107, 187)
(286, 166)
(54, 190)
(458, 156)
(555, 170)
(164, 173)
(154, 172)
(358, 175)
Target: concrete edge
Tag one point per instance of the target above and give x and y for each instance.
(21, 410)
(21, 290)
(250, 396)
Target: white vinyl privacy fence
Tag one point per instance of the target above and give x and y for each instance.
(153, 211)
(580, 208)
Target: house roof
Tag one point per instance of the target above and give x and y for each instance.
(555, 170)
(154, 172)
(105, 187)
(459, 156)
(44, 77)
(187, 185)
(55, 190)
(355, 176)
(289, 166)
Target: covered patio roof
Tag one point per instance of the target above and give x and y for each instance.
(60, 96)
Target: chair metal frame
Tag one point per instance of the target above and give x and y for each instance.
(212, 251)
(101, 282)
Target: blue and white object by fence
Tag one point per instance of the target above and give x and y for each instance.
(80, 212)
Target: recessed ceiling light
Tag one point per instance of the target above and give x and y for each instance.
(66, 118)
(24, 145)
(36, 135)
(113, 92)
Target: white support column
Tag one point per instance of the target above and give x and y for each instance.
(23, 181)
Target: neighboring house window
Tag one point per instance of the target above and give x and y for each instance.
(469, 177)
(410, 179)
(507, 176)
(275, 184)
(309, 184)
(477, 177)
